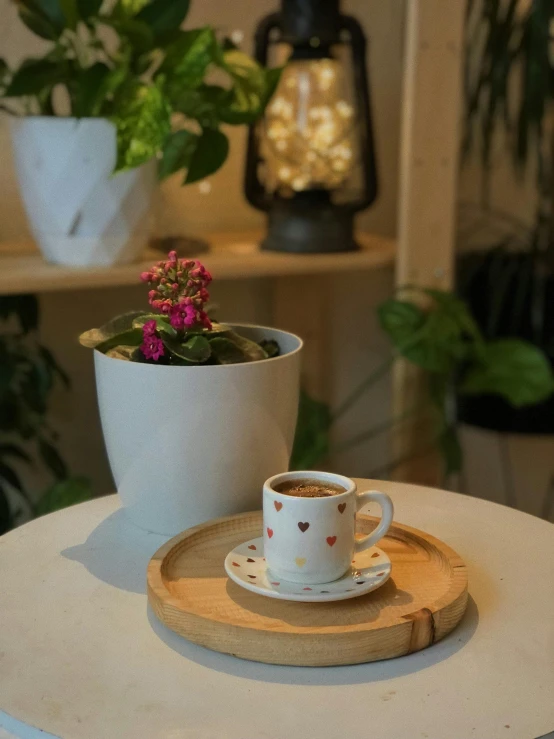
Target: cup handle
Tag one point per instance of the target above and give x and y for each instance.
(386, 519)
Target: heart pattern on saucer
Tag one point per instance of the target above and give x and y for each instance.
(370, 569)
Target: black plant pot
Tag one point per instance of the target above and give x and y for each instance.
(510, 294)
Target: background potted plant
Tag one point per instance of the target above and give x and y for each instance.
(196, 415)
(120, 86)
(28, 374)
(434, 330)
(506, 274)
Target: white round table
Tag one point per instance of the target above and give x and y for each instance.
(82, 656)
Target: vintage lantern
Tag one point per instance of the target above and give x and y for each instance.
(310, 161)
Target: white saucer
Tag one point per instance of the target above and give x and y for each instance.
(246, 566)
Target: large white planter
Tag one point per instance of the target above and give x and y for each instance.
(187, 444)
(80, 213)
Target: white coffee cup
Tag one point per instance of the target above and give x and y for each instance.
(312, 540)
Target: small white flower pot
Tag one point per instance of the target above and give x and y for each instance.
(80, 213)
(187, 444)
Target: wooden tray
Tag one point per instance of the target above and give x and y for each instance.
(423, 600)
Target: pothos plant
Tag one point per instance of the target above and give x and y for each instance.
(178, 330)
(435, 331)
(28, 374)
(167, 90)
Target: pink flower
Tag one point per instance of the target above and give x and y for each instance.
(152, 347)
(179, 290)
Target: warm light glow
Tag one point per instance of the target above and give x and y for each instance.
(308, 128)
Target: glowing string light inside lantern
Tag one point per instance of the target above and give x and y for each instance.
(308, 127)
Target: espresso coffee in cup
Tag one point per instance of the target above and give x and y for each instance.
(308, 488)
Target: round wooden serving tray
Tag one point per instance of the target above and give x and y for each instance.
(424, 600)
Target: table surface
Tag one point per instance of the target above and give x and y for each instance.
(82, 656)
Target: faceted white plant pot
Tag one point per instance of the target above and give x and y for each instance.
(187, 444)
(80, 213)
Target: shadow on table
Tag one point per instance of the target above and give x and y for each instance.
(347, 675)
(117, 552)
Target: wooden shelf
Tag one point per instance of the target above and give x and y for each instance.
(232, 256)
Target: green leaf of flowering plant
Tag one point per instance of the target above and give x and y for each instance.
(252, 351)
(270, 347)
(162, 323)
(96, 336)
(516, 370)
(131, 337)
(143, 123)
(194, 350)
(226, 351)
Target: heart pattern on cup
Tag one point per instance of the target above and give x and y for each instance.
(250, 559)
(252, 546)
(331, 540)
(269, 532)
(341, 507)
(303, 526)
(277, 505)
(300, 561)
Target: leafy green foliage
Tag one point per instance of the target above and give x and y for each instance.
(177, 152)
(164, 15)
(155, 70)
(270, 347)
(188, 57)
(62, 494)
(513, 369)
(28, 374)
(91, 339)
(311, 440)
(443, 339)
(143, 124)
(193, 350)
(207, 157)
(510, 42)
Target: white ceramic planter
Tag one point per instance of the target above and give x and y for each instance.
(187, 444)
(80, 213)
